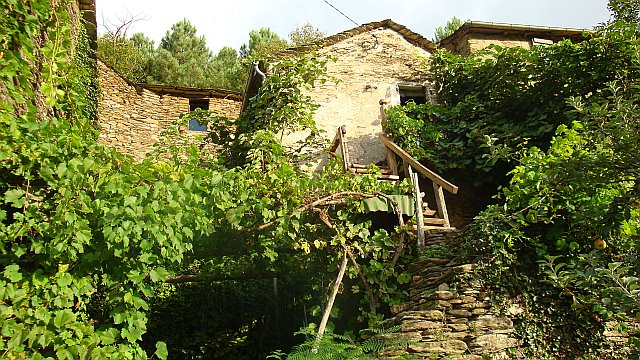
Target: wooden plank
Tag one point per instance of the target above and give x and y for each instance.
(419, 216)
(389, 177)
(336, 141)
(428, 212)
(434, 221)
(437, 179)
(430, 227)
(359, 166)
(342, 131)
(442, 206)
(364, 170)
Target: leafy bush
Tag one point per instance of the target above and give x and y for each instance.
(498, 101)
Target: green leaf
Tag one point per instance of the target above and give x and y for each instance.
(161, 350)
(158, 274)
(12, 273)
(15, 197)
(62, 318)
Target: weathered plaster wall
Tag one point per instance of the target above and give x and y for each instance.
(479, 41)
(131, 118)
(367, 67)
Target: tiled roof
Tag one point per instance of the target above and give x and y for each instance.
(188, 92)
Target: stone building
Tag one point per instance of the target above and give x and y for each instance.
(385, 63)
(476, 35)
(379, 60)
(132, 116)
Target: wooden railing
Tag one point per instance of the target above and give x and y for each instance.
(412, 168)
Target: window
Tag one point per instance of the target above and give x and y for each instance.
(414, 94)
(197, 104)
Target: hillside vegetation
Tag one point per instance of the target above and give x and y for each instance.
(557, 131)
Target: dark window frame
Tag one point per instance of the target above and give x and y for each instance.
(194, 104)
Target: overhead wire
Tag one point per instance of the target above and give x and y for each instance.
(341, 13)
(350, 19)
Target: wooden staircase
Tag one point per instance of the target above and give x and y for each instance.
(402, 165)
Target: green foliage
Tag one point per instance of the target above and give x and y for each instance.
(84, 232)
(181, 59)
(374, 344)
(565, 233)
(269, 217)
(124, 55)
(452, 25)
(89, 237)
(498, 101)
(262, 43)
(625, 10)
(560, 122)
(281, 106)
(305, 34)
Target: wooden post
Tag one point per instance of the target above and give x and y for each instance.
(391, 160)
(405, 167)
(342, 131)
(419, 214)
(442, 206)
(332, 298)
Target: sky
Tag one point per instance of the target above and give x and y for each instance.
(228, 23)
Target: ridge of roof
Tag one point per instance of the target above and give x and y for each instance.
(409, 35)
(494, 26)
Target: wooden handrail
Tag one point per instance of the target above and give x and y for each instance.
(339, 142)
(437, 179)
(337, 139)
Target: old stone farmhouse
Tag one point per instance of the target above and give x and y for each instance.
(476, 35)
(377, 63)
(386, 63)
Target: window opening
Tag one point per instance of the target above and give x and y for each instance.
(197, 104)
(412, 94)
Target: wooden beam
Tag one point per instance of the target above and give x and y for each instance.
(442, 206)
(437, 179)
(336, 141)
(391, 160)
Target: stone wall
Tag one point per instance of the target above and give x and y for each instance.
(131, 117)
(369, 65)
(449, 313)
